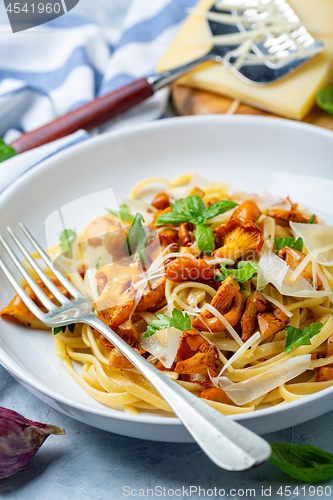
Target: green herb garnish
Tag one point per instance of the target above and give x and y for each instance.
(178, 320)
(311, 220)
(136, 240)
(97, 266)
(289, 242)
(60, 329)
(324, 99)
(6, 152)
(123, 213)
(303, 462)
(244, 272)
(193, 209)
(67, 238)
(297, 337)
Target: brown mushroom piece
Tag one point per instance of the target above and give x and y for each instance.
(228, 301)
(195, 355)
(186, 269)
(114, 241)
(161, 201)
(256, 303)
(283, 217)
(214, 394)
(240, 234)
(293, 258)
(272, 322)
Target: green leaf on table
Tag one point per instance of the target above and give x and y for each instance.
(179, 320)
(302, 462)
(324, 99)
(297, 337)
(123, 213)
(6, 152)
(67, 238)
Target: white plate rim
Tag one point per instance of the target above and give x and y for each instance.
(15, 369)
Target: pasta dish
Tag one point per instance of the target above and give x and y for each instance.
(230, 294)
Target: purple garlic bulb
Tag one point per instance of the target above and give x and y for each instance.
(20, 439)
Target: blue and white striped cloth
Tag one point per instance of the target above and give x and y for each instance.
(52, 69)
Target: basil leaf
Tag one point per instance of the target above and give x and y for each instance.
(178, 320)
(219, 207)
(205, 237)
(194, 205)
(67, 238)
(244, 272)
(123, 213)
(62, 329)
(6, 152)
(178, 206)
(298, 245)
(136, 239)
(289, 242)
(297, 337)
(302, 462)
(172, 218)
(311, 220)
(324, 99)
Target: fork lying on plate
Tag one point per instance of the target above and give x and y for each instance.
(226, 442)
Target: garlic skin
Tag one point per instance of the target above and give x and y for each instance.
(20, 439)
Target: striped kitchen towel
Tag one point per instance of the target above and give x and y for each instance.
(51, 69)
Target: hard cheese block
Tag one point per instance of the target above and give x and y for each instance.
(293, 97)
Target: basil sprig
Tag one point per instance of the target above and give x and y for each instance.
(193, 209)
(67, 238)
(123, 213)
(297, 337)
(302, 462)
(325, 99)
(6, 152)
(289, 242)
(178, 320)
(244, 272)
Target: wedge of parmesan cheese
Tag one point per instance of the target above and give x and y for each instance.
(292, 97)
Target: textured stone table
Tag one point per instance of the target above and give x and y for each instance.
(91, 464)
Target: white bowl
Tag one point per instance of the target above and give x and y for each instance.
(253, 153)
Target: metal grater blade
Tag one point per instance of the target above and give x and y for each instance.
(283, 48)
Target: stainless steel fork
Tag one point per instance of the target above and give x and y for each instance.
(226, 442)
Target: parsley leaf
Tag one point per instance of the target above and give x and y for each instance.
(311, 220)
(6, 152)
(289, 242)
(193, 209)
(178, 320)
(244, 272)
(60, 329)
(123, 213)
(67, 238)
(97, 266)
(324, 99)
(136, 239)
(205, 237)
(303, 462)
(297, 337)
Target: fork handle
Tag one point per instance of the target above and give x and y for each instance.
(226, 442)
(88, 116)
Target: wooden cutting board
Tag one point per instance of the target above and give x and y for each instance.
(189, 101)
